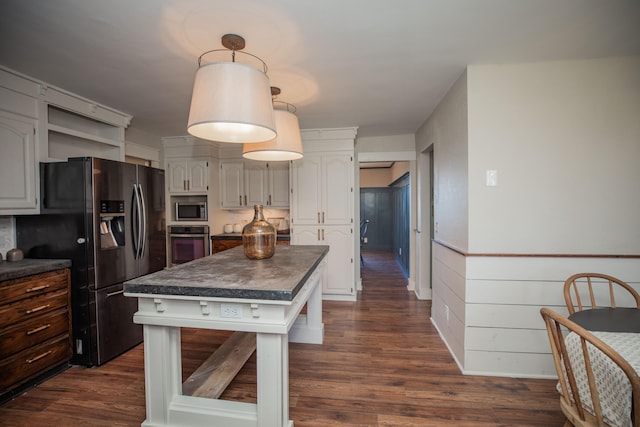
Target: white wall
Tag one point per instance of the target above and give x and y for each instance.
(386, 145)
(565, 140)
(372, 178)
(447, 129)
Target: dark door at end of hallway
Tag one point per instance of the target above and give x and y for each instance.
(376, 205)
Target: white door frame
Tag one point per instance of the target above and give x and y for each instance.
(423, 228)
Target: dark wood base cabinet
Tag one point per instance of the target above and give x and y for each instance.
(221, 243)
(35, 328)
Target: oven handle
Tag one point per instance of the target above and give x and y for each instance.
(189, 235)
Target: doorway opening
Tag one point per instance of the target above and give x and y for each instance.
(385, 210)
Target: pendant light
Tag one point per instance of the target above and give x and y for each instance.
(287, 145)
(231, 101)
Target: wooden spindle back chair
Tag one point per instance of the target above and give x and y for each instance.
(572, 402)
(581, 291)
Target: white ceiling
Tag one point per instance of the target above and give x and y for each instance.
(381, 65)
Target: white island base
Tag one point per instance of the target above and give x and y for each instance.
(275, 323)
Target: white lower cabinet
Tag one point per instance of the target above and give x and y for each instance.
(339, 283)
(18, 192)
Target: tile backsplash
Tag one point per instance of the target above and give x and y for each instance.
(7, 234)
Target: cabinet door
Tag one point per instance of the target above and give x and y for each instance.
(17, 165)
(337, 189)
(231, 184)
(177, 176)
(340, 277)
(339, 238)
(305, 235)
(278, 184)
(255, 184)
(306, 182)
(197, 176)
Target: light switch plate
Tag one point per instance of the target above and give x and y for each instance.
(492, 178)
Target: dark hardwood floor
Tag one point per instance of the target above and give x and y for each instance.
(382, 364)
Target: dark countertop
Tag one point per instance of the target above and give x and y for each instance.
(28, 267)
(229, 274)
(238, 236)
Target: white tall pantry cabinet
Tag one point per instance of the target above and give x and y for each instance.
(322, 204)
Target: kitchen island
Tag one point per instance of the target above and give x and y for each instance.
(227, 291)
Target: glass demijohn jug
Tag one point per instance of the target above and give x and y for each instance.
(259, 237)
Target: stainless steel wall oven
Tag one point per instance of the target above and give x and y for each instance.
(188, 242)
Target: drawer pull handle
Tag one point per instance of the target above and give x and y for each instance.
(41, 328)
(42, 307)
(35, 359)
(37, 288)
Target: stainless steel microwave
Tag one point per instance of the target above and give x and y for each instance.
(191, 211)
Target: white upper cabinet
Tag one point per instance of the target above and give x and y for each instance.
(18, 189)
(244, 184)
(323, 189)
(278, 184)
(255, 184)
(188, 176)
(231, 185)
(306, 183)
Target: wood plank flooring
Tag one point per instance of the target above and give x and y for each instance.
(382, 364)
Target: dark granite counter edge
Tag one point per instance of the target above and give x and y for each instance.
(29, 267)
(308, 274)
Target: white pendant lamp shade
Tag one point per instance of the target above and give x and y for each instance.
(286, 146)
(231, 102)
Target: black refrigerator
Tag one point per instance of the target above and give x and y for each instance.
(108, 217)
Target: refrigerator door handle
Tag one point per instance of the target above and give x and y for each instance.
(135, 220)
(134, 232)
(143, 217)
